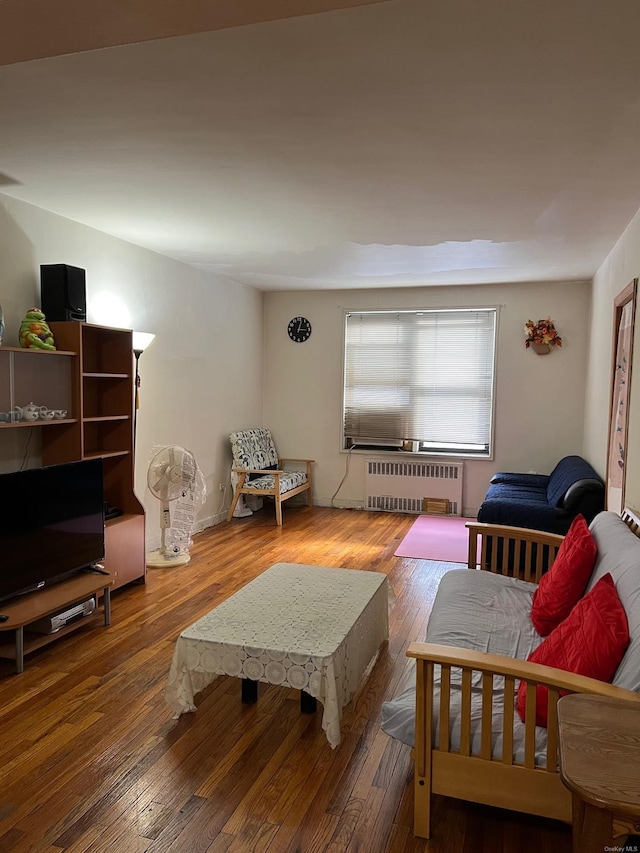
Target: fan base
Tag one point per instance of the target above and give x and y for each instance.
(157, 560)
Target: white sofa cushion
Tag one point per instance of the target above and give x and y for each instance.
(485, 612)
(619, 554)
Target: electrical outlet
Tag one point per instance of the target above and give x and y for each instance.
(222, 487)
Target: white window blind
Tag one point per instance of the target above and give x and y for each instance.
(424, 376)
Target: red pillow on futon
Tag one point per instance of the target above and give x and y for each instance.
(562, 586)
(591, 641)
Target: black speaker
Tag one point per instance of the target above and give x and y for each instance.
(63, 292)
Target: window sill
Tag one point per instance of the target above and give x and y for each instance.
(425, 455)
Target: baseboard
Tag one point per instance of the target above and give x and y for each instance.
(202, 523)
(338, 503)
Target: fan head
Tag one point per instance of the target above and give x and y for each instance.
(166, 474)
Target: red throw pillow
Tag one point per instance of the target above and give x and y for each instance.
(591, 641)
(562, 586)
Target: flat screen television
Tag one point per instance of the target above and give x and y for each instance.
(51, 524)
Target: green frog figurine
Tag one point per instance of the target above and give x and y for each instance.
(35, 332)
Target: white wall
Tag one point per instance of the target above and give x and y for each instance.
(201, 378)
(620, 267)
(539, 399)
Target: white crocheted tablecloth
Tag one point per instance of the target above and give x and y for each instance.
(313, 628)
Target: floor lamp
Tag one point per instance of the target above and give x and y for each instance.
(141, 341)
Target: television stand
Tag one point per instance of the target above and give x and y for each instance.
(29, 608)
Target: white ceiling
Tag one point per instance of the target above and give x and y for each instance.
(403, 143)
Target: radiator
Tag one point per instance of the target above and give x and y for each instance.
(402, 486)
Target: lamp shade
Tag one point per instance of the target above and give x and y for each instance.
(141, 340)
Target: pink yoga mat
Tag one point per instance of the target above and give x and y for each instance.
(436, 538)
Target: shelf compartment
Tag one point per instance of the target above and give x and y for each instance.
(37, 641)
(106, 396)
(103, 437)
(107, 351)
(41, 377)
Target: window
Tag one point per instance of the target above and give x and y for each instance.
(420, 376)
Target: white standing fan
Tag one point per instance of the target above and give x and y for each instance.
(174, 475)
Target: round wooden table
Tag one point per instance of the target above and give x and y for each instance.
(599, 751)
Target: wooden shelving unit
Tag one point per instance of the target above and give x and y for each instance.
(102, 403)
(91, 377)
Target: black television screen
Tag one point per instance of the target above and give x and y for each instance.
(51, 524)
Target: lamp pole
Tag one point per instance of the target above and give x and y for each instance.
(137, 353)
(141, 341)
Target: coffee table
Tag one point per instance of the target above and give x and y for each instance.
(313, 628)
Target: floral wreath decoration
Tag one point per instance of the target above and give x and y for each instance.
(542, 332)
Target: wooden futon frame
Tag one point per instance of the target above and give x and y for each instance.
(479, 777)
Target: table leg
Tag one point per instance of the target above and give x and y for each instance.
(107, 606)
(249, 691)
(20, 649)
(308, 703)
(592, 828)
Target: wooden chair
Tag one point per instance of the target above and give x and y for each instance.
(260, 471)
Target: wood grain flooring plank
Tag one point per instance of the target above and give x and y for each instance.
(341, 838)
(175, 828)
(84, 841)
(315, 833)
(371, 830)
(398, 836)
(269, 784)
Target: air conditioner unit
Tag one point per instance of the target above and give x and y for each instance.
(371, 442)
(370, 428)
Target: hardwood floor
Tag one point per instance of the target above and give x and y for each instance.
(92, 760)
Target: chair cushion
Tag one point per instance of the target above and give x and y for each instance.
(253, 448)
(563, 585)
(288, 480)
(591, 641)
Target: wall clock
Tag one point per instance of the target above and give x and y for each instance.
(299, 329)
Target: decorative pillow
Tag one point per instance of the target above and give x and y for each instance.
(591, 641)
(562, 586)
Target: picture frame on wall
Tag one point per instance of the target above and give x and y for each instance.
(624, 313)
